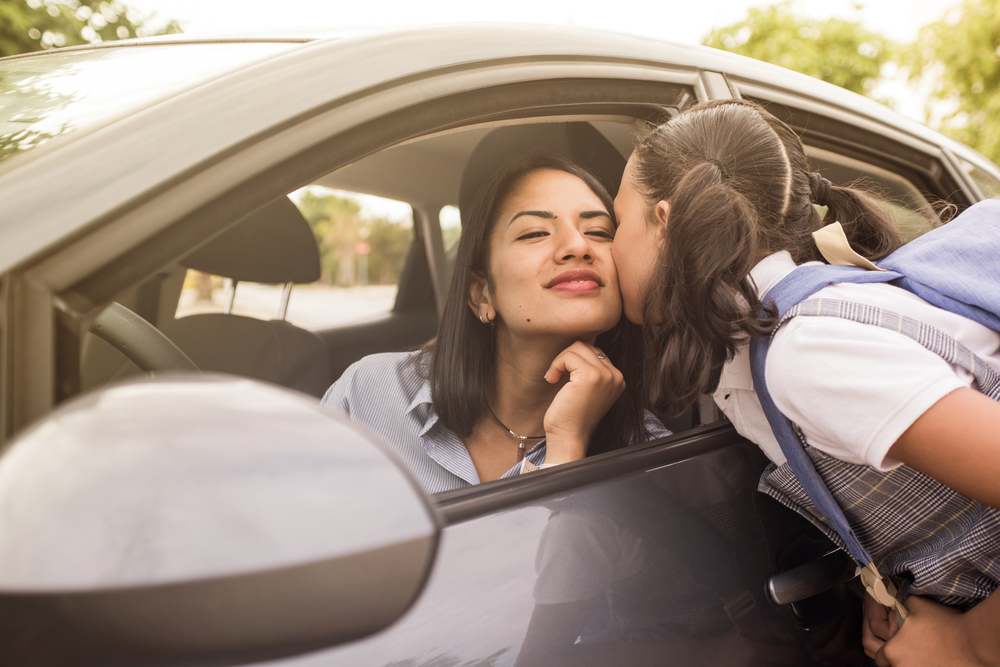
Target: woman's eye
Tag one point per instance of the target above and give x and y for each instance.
(532, 235)
(602, 233)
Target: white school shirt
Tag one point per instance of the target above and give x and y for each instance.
(851, 388)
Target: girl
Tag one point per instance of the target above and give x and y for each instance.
(715, 208)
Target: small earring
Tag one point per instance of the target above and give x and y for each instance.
(482, 318)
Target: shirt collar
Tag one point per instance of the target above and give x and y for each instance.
(449, 452)
(422, 408)
(770, 271)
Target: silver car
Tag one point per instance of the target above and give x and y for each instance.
(171, 491)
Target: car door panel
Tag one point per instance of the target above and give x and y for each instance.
(633, 570)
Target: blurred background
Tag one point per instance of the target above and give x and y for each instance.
(937, 61)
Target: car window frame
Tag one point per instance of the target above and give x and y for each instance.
(830, 127)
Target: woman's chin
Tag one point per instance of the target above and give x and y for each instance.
(586, 330)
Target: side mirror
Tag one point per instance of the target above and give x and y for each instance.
(202, 520)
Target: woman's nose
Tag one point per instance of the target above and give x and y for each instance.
(574, 245)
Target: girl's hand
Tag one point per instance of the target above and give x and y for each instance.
(938, 636)
(593, 387)
(878, 627)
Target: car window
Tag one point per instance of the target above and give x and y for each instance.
(909, 208)
(988, 184)
(451, 227)
(363, 242)
(54, 94)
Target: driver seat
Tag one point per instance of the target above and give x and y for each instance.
(272, 245)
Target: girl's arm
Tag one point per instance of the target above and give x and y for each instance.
(957, 442)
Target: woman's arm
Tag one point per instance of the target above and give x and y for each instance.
(957, 442)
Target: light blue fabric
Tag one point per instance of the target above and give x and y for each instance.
(956, 267)
(391, 396)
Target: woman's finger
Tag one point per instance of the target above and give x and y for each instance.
(574, 359)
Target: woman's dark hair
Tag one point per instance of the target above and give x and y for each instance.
(739, 188)
(461, 365)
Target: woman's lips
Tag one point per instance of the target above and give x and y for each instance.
(576, 286)
(576, 281)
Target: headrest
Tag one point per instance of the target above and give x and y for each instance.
(579, 142)
(274, 244)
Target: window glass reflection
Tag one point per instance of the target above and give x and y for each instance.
(52, 94)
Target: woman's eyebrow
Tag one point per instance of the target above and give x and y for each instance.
(548, 215)
(587, 215)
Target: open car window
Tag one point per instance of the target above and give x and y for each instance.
(362, 243)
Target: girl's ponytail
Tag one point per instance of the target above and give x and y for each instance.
(868, 227)
(700, 298)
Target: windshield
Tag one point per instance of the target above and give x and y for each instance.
(50, 95)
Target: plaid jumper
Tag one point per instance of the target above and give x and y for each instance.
(933, 540)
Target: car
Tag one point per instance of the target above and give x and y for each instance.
(155, 514)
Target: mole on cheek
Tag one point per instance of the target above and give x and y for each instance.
(529, 319)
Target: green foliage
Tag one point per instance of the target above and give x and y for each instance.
(960, 56)
(338, 227)
(836, 51)
(33, 25)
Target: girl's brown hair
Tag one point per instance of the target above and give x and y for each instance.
(739, 188)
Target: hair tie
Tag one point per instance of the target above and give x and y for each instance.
(820, 188)
(721, 166)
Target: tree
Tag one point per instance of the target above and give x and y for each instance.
(338, 226)
(837, 51)
(958, 57)
(34, 25)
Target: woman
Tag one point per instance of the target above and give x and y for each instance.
(520, 376)
(716, 207)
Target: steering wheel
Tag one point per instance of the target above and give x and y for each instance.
(141, 342)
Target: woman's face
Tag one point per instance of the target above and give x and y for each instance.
(550, 260)
(637, 243)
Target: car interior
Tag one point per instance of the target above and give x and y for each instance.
(274, 245)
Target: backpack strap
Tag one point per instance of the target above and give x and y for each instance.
(798, 286)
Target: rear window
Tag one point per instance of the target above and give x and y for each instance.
(53, 94)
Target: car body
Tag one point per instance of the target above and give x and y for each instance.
(180, 139)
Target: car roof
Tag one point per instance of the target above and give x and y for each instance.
(37, 220)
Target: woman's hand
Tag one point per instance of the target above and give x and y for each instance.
(593, 387)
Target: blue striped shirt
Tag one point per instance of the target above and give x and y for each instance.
(390, 395)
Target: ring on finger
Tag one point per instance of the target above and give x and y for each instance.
(601, 355)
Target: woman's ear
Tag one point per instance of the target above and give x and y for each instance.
(479, 298)
(662, 215)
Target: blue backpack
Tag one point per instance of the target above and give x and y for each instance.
(955, 267)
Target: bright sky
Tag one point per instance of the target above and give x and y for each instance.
(682, 21)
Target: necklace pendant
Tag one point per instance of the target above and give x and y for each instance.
(520, 445)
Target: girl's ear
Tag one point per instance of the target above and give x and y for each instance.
(662, 215)
(479, 298)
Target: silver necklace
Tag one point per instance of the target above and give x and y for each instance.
(521, 438)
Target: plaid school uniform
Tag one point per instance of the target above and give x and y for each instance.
(933, 540)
